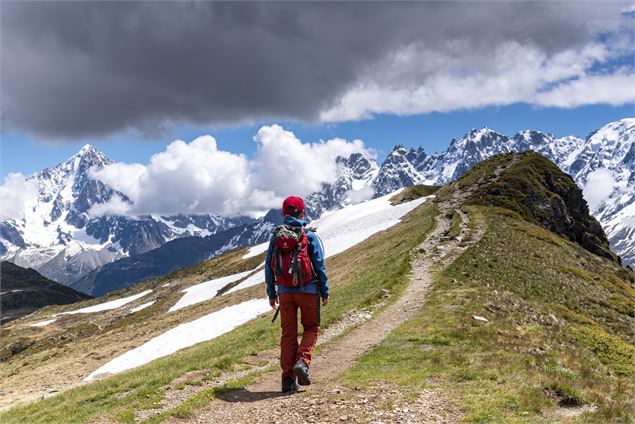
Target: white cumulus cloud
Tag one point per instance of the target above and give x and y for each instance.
(187, 178)
(197, 177)
(16, 194)
(287, 166)
(123, 177)
(115, 206)
(598, 188)
(611, 89)
(361, 195)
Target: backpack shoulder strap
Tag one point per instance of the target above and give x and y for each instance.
(319, 241)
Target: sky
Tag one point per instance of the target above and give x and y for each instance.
(316, 78)
(433, 131)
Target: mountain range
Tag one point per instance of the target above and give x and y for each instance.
(61, 240)
(610, 150)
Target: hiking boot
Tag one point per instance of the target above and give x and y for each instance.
(289, 385)
(301, 370)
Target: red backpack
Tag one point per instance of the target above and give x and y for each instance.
(290, 261)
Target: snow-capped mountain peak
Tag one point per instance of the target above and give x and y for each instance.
(608, 153)
(86, 148)
(61, 240)
(357, 163)
(606, 148)
(483, 138)
(396, 171)
(353, 184)
(87, 157)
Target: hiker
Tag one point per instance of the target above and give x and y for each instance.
(295, 264)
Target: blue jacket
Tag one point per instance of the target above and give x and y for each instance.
(316, 252)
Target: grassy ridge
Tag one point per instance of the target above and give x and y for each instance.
(559, 331)
(413, 192)
(538, 191)
(357, 277)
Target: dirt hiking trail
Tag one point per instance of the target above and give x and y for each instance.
(325, 401)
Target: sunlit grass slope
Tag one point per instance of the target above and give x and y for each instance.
(559, 335)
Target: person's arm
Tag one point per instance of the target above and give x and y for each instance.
(270, 281)
(317, 260)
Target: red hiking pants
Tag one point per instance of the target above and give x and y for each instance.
(290, 351)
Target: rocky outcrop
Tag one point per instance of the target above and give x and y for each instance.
(535, 188)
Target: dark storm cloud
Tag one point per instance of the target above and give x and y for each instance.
(76, 69)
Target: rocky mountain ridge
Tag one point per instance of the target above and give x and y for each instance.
(607, 153)
(62, 241)
(60, 238)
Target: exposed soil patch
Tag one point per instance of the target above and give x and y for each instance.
(335, 404)
(572, 411)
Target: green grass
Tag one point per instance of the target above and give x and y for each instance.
(413, 192)
(556, 335)
(455, 224)
(356, 276)
(611, 350)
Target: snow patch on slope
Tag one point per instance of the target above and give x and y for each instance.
(257, 278)
(206, 290)
(43, 323)
(202, 329)
(142, 306)
(113, 304)
(340, 230)
(256, 250)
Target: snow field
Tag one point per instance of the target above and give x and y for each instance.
(113, 304)
(142, 306)
(202, 329)
(256, 250)
(206, 290)
(257, 278)
(43, 323)
(342, 229)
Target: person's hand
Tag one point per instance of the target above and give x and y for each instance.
(273, 302)
(325, 301)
